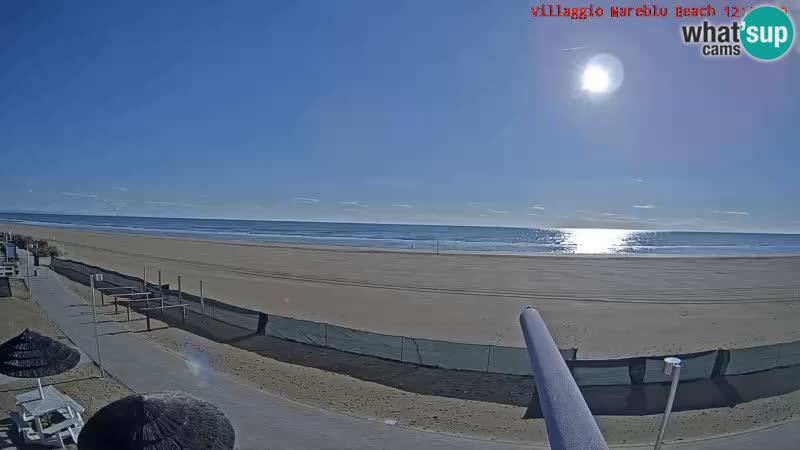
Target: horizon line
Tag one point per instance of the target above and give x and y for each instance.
(662, 230)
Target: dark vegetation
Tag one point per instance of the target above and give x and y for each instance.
(40, 246)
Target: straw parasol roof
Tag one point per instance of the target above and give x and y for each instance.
(31, 355)
(158, 421)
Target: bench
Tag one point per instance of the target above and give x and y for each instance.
(62, 430)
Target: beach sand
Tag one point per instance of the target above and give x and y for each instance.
(605, 306)
(481, 419)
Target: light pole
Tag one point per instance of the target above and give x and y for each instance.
(28, 270)
(672, 366)
(92, 279)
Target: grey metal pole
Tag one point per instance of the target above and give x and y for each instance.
(144, 279)
(28, 271)
(671, 365)
(569, 422)
(30, 285)
(41, 391)
(96, 336)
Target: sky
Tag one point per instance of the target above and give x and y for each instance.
(454, 112)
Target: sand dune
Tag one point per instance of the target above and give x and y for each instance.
(604, 306)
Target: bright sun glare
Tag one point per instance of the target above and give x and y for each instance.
(596, 79)
(602, 74)
(596, 241)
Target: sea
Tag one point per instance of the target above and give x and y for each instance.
(431, 237)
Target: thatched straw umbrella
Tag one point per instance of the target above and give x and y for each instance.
(158, 421)
(31, 355)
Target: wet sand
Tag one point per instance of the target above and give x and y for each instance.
(604, 306)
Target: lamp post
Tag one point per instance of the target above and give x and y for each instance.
(672, 366)
(92, 279)
(28, 269)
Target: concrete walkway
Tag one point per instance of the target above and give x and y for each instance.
(263, 420)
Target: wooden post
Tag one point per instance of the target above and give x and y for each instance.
(202, 301)
(180, 294)
(103, 298)
(129, 311)
(148, 319)
(161, 293)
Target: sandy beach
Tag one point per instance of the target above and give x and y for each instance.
(476, 418)
(605, 307)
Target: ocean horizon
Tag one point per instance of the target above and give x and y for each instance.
(462, 238)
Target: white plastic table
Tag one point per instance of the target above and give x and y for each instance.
(33, 406)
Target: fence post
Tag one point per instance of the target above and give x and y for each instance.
(148, 319)
(116, 306)
(144, 279)
(161, 294)
(180, 294)
(202, 301)
(262, 324)
(183, 309)
(128, 304)
(103, 298)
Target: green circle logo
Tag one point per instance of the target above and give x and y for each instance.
(767, 33)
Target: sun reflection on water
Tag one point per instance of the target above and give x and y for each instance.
(596, 241)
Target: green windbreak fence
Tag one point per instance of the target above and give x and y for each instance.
(224, 322)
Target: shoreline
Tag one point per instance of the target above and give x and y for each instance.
(376, 249)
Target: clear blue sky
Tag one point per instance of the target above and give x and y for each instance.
(442, 111)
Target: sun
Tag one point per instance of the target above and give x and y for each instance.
(601, 75)
(596, 79)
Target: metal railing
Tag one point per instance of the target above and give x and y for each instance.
(569, 422)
